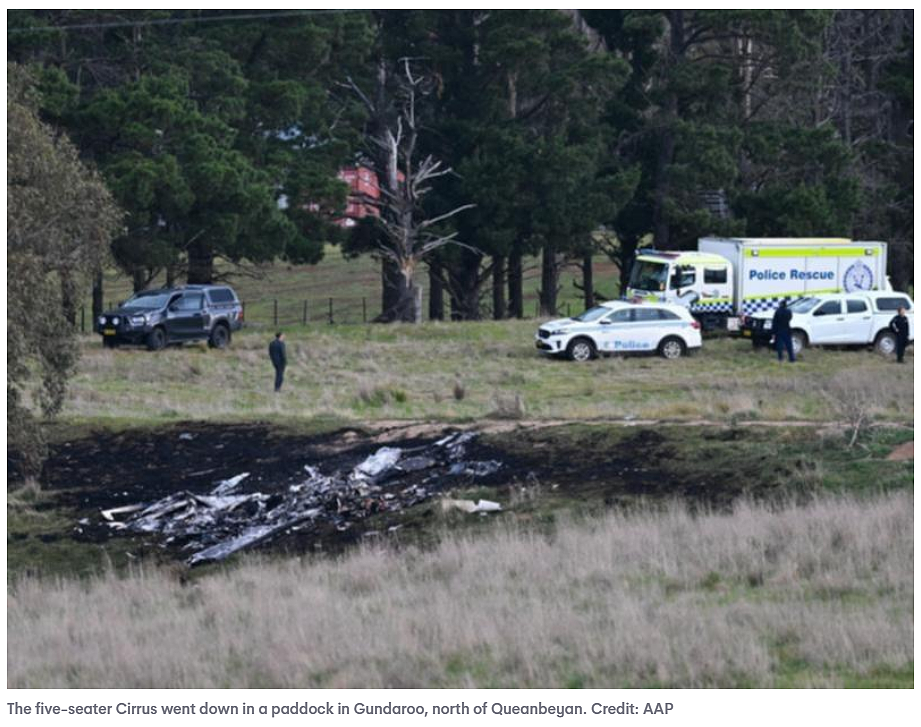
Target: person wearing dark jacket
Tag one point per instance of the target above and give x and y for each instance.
(783, 338)
(899, 326)
(279, 359)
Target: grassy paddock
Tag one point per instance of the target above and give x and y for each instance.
(820, 595)
(450, 371)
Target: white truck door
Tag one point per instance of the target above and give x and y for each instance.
(683, 285)
(827, 323)
(858, 321)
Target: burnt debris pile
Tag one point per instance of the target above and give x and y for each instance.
(231, 517)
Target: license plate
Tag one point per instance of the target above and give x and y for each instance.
(747, 332)
(108, 331)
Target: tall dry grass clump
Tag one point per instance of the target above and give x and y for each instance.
(653, 598)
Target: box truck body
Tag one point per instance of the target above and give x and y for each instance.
(731, 277)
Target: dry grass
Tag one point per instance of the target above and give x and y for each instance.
(756, 598)
(462, 371)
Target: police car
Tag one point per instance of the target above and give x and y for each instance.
(622, 327)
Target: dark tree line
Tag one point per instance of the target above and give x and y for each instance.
(566, 134)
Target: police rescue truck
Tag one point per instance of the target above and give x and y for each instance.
(727, 278)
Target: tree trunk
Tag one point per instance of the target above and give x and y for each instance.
(498, 288)
(390, 290)
(417, 303)
(405, 310)
(139, 280)
(466, 283)
(436, 292)
(665, 153)
(628, 245)
(170, 276)
(515, 285)
(69, 298)
(549, 276)
(588, 280)
(98, 292)
(201, 264)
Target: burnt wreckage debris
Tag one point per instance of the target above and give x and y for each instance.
(213, 526)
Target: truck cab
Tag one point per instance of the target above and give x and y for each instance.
(699, 281)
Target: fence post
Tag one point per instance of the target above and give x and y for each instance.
(305, 312)
(536, 308)
(364, 310)
(567, 310)
(275, 312)
(330, 311)
(82, 319)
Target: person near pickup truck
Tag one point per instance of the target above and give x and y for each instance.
(279, 359)
(899, 326)
(783, 337)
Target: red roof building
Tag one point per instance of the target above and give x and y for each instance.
(364, 195)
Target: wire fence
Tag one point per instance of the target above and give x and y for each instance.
(331, 310)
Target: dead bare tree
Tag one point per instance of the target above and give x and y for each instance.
(409, 236)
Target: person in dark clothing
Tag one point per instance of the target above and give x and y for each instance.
(899, 326)
(783, 338)
(279, 359)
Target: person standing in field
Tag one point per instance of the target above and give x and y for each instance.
(279, 359)
(783, 338)
(899, 326)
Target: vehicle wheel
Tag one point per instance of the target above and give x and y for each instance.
(220, 336)
(885, 343)
(672, 348)
(799, 342)
(156, 339)
(582, 349)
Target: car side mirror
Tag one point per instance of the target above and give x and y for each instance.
(605, 322)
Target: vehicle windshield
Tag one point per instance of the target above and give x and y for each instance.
(648, 275)
(803, 305)
(148, 300)
(592, 314)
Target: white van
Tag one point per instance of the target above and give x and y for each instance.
(619, 326)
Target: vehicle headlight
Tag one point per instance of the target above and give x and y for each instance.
(102, 320)
(138, 320)
(767, 325)
(115, 321)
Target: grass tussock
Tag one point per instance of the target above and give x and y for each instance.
(357, 372)
(802, 596)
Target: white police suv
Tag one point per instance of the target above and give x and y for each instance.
(622, 327)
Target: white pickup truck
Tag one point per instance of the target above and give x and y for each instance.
(842, 319)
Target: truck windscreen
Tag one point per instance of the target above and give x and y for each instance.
(648, 275)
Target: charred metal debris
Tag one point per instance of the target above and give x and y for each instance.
(211, 527)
